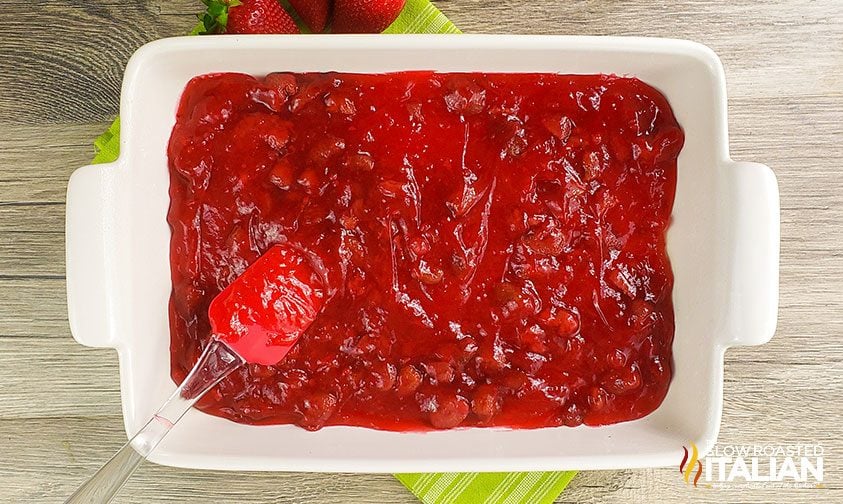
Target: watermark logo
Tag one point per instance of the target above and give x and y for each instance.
(755, 466)
(686, 467)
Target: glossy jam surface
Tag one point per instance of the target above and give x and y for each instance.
(493, 244)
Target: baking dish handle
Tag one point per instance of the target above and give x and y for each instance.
(755, 276)
(89, 196)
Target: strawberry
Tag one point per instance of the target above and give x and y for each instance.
(365, 16)
(245, 16)
(314, 13)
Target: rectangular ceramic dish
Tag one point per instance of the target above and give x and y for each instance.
(723, 244)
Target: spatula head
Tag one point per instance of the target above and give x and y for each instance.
(262, 314)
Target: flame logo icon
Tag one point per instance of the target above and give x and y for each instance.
(686, 467)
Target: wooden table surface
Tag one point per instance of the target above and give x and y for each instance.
(60, 72)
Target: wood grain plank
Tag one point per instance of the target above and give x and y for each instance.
(37, 159)
(32, 306)
(59, 71)
(32, 240)
(57, 454)
(56, 377)
(769, 48)
(21, 254)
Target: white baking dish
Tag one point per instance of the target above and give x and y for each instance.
(723, 244)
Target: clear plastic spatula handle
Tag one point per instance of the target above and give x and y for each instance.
(261, 315)
(216, 362)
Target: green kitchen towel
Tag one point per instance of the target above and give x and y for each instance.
(420, 16)
(487, 488)
(107, 145)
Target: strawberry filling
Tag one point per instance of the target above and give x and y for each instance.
(493, 244)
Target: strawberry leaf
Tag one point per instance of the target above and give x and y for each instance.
(215, 17)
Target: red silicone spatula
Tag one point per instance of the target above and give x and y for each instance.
(257, 319)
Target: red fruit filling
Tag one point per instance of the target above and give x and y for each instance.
(494, 244)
